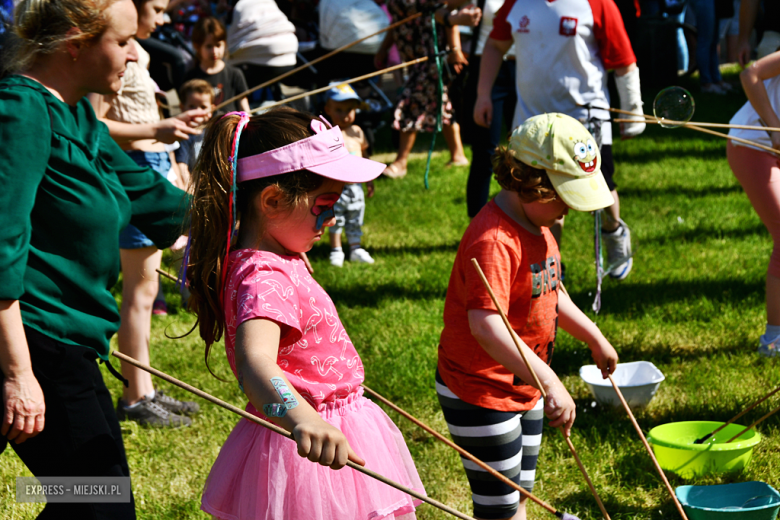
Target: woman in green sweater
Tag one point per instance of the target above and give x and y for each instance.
(67, 191)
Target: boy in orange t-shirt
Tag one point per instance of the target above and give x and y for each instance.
(552, 164)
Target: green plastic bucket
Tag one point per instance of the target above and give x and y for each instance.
(742, 501)
(673, 445)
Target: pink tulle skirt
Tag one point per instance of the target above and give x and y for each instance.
(259, 475)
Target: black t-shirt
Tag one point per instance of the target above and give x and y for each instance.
(227, 83)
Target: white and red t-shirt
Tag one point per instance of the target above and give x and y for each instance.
(563, 50)
(315, 351)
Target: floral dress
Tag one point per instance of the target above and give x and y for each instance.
(418, 101)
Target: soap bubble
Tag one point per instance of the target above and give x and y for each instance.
(673, 106)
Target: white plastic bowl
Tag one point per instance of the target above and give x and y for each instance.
(638, 382)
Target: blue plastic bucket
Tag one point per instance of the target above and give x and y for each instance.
(742, 501)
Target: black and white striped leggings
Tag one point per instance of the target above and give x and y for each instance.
(507, 441)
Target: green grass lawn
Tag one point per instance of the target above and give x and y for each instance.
(693, 305)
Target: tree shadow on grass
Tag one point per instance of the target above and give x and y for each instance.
(568, 363)
(637, 298)
(683, 150)
(372, 297)
(703, 233)
(322, 251)
(682, 191)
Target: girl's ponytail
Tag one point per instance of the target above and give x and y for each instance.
(210, 217)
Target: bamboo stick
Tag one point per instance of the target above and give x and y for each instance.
(648, 448)
(692, 126)
(700, 124)
(743, 412)
(315, 61)
(353, 80)
(754, 424)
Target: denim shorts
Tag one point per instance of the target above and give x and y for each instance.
(131, 237)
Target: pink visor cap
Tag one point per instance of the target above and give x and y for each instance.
(323, 153)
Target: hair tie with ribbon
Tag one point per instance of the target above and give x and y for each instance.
(233, 160)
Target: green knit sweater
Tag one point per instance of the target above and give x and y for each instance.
(66, 191)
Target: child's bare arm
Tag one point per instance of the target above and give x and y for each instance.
(184, 175)
(492, 57)
(489, 330)
(456, 58)
(573, 320)
(257, 345)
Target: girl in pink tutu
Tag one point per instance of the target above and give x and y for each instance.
(264, 190)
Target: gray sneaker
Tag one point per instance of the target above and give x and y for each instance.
(174, 405)
(148, 413)
(618, 246)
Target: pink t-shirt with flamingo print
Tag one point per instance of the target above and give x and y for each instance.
(315, 351)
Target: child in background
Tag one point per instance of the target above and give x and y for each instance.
(757, 171)
(194, 94)
(341, 103)
(283, 337)
(209, 41)
(484, 387)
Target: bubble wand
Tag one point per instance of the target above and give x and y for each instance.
(673, 107)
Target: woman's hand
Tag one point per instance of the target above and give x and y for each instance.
(605, 356)
(23, 408)
(559, 407)
(458, 60)
(320, 442)
(483, 110)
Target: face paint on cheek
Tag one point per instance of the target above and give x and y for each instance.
(325, 215)
(323, 208)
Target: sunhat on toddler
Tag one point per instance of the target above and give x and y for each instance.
(563, 147)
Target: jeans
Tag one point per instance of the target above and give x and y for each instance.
(653, 9)
(131, 237)
(707, 41)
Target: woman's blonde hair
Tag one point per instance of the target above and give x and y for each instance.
(532, 184)
(41, 26)
(211, 189)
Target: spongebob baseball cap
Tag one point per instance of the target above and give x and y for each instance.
(563, 147)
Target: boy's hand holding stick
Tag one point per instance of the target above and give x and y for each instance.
(518, 344)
